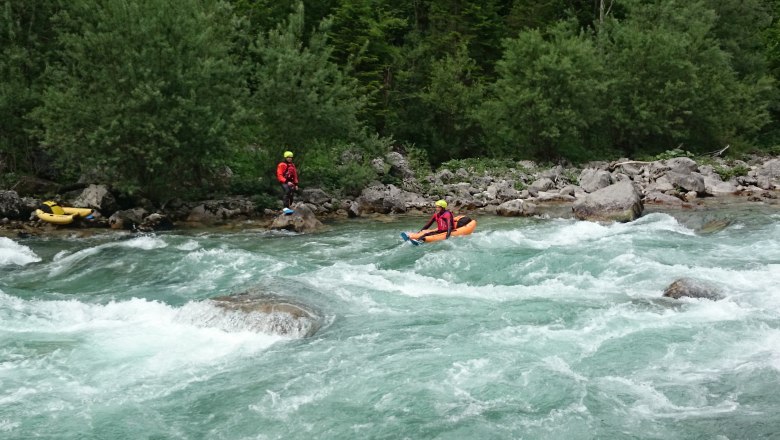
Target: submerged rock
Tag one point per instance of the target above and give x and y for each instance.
(270, 314)
(693, 288)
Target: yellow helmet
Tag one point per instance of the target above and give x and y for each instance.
(441, 203)
(288, 154)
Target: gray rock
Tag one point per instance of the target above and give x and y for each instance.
(399, 166)
(687, 181)
(714, 185)
(156, 222)
(516, 208)
(386, 199)
(213, 212)
(96, 197)
(661, 184)
(302, 220)
(618, 202)
(264, 313)
(768, 175)
(592, 180)
(543, 184)
(127, 219)
(379, 166)
(13, 207)
(315, 196)
(569, 190)
(660, 198)
(682, 165)
(693, 288)
(445, 175)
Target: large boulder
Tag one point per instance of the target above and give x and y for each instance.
(516, 208)
(129, 219)
(768, 175)
(315, 196)
(386, 199)
(12, 206)
(693, 288)
(688, 181)
(96, 197)
(592, 180)
(302, 220)
(264, 313)
(220, 211)
(714, 185)
(399, 166)
(618, 202)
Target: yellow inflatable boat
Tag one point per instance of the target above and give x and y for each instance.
(61, 215)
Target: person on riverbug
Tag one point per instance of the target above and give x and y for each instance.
(287, 175)
(445, 222)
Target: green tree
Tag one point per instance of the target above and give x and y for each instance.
(671, 82)
(300, 96)
(146, 93)
(26, 46)
(366, 37)
(449, 103)
(548, 100)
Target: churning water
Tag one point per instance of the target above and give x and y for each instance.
(527, 329)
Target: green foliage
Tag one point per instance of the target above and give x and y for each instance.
(671, 81)
(299, 95)
(478, 165)
(671, 154)
(26, 46)
(727, 172)
(342, 167)
(418, 161)
(548, 98)
(365, 36)
(146, 93)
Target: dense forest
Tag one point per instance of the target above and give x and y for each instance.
(193, 97)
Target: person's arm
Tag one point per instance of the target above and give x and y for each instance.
(295, 176)
(449, 226)
(430, 222)
(280, 172)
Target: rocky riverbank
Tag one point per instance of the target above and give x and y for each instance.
(525, 189)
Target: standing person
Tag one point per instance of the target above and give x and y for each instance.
(445, 222)
(287, 175)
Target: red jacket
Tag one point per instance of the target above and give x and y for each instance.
(444, 221)
(286, 172)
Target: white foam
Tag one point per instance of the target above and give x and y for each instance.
(13, 253)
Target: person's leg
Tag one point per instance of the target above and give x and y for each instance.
(429, 233)
(291, 197)
(286, 195)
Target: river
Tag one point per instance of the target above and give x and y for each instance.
(528, 329)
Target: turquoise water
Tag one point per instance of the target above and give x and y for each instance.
(527, 329)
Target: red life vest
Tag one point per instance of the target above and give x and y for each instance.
(443, 219)
(286, 172)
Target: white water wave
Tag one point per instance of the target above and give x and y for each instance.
(13, 253)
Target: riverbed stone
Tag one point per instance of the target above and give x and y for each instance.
(693, 288)
(268, 314)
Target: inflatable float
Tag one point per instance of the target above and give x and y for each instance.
(468, 227)
(61, 215)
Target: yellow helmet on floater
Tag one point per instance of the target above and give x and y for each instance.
(288, 154)
(441, 203)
